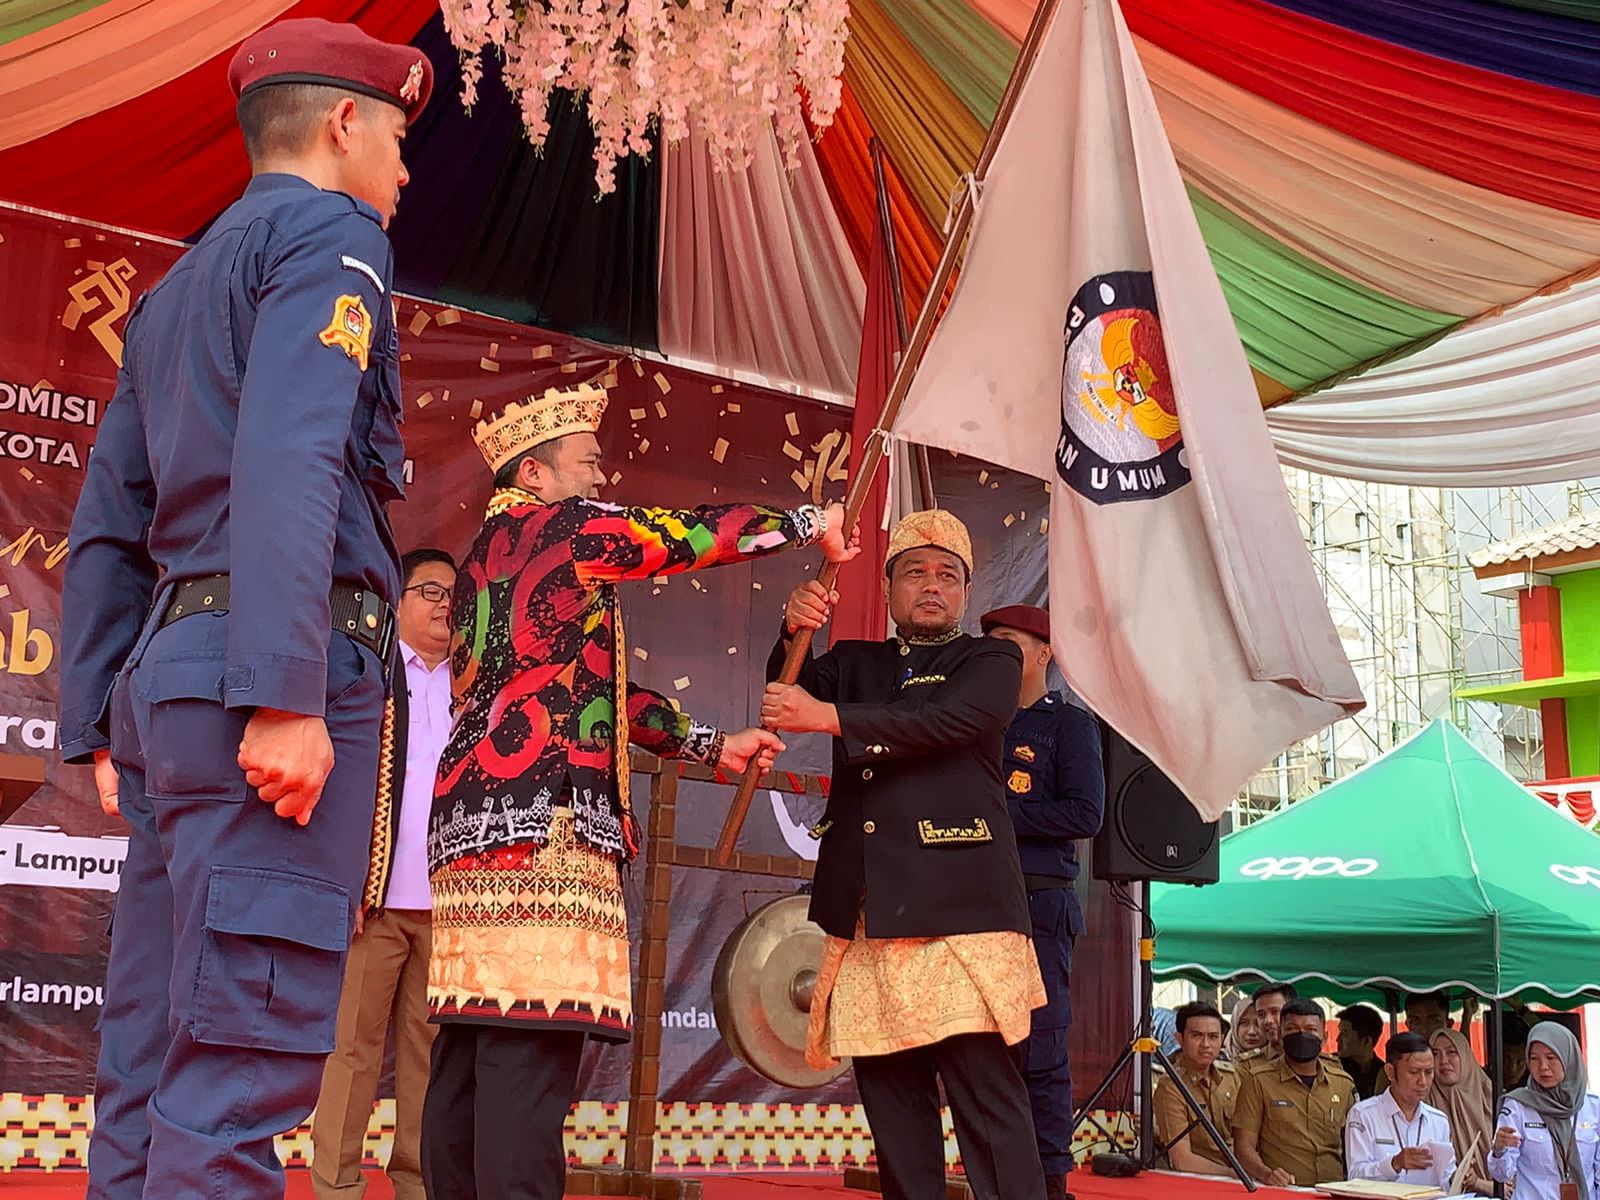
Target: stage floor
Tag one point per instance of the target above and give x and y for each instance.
(69, 1185)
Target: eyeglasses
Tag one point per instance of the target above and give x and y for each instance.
(433, 593)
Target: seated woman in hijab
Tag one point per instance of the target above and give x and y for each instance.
(1547, 1136)
(1244, 1034)
(1462, 1091)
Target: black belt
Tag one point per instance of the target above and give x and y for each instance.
(1045, 883)
(357, 612)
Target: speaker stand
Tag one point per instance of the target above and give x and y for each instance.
(1141, 1055)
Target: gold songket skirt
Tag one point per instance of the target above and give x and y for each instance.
(881, 995)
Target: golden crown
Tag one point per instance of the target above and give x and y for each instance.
(542, 419)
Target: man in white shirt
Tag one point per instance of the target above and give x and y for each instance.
(1395, 1136)
(386, 975)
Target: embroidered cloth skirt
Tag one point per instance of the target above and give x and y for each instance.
(880, 995)
(533, 936)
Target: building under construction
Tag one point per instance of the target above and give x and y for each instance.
(1415, 622)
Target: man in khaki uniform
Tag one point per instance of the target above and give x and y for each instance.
(1288, 1123)
(1214, 1084)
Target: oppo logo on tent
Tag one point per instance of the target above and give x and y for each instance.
(1295, 866)
(1577, 876)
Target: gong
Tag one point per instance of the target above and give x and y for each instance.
(761, 991)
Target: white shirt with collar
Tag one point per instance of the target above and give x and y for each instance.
(1376, 1131)
(1533, 1163)
(426, 735)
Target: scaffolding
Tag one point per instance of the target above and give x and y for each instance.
(1416, 626)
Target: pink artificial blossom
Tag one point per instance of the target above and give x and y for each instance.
(641, 64)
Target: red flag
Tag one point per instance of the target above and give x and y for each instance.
(862, 612)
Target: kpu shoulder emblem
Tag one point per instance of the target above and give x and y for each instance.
(1020, 782)
(351, 329)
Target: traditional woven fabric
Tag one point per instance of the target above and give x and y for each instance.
(389, 781)
(882, 995)
(539, 667)
(533, 933)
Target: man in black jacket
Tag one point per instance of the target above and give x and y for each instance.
(929, 972)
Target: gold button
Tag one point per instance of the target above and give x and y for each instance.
(372, 621)
(870, 827)
(904, 650)
(867, 774)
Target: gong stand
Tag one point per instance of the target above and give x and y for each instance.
(662, 853)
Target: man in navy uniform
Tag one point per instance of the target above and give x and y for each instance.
(1056, 791)
(227, 622)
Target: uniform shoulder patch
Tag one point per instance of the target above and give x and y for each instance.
(1020, 782)
(350, 329)
(1026, 754)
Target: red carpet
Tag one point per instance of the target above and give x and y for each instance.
(63, 1185)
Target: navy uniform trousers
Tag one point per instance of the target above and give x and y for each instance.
(230, 928)
(1043, 1054)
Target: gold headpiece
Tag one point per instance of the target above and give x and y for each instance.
(931, 527)
(542, 419)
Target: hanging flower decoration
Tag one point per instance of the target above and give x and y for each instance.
(733, 64)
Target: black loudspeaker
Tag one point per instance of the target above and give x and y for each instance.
(1151, 831)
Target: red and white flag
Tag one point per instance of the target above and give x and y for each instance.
(1088, 344)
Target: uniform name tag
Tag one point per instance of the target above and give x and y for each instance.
(952, 835)
(1385, 1141)
(1282, 1104)
(920, 680)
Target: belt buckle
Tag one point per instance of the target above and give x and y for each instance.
(377, 624)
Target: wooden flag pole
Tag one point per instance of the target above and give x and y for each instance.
(924, 469)
(910, 360)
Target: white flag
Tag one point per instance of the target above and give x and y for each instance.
(1184, 607)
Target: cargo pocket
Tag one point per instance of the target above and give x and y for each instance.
(190, 741)
(271, 962)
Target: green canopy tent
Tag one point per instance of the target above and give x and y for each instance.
(1430, 868)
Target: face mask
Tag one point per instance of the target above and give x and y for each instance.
(1301, 1047)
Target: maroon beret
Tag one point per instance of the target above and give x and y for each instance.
(336, 53)
(1025, 617)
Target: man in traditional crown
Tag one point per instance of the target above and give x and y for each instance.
(531, 821)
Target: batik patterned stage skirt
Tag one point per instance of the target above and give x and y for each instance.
(533, 936)
(881, 995)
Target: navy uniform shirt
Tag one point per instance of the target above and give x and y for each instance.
(254, 432)
(1055, 784)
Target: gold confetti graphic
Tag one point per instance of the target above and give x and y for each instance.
(636, 414)
(681, 682)
(734, 406)
(544, 351)
(720, 450)
(793, 423)
(661, 410)
(793, 451)
(662, 383)
(420, 320)
(641, 654)
(450, 316)
(477, 409)
(425, 399)
(644, 445)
